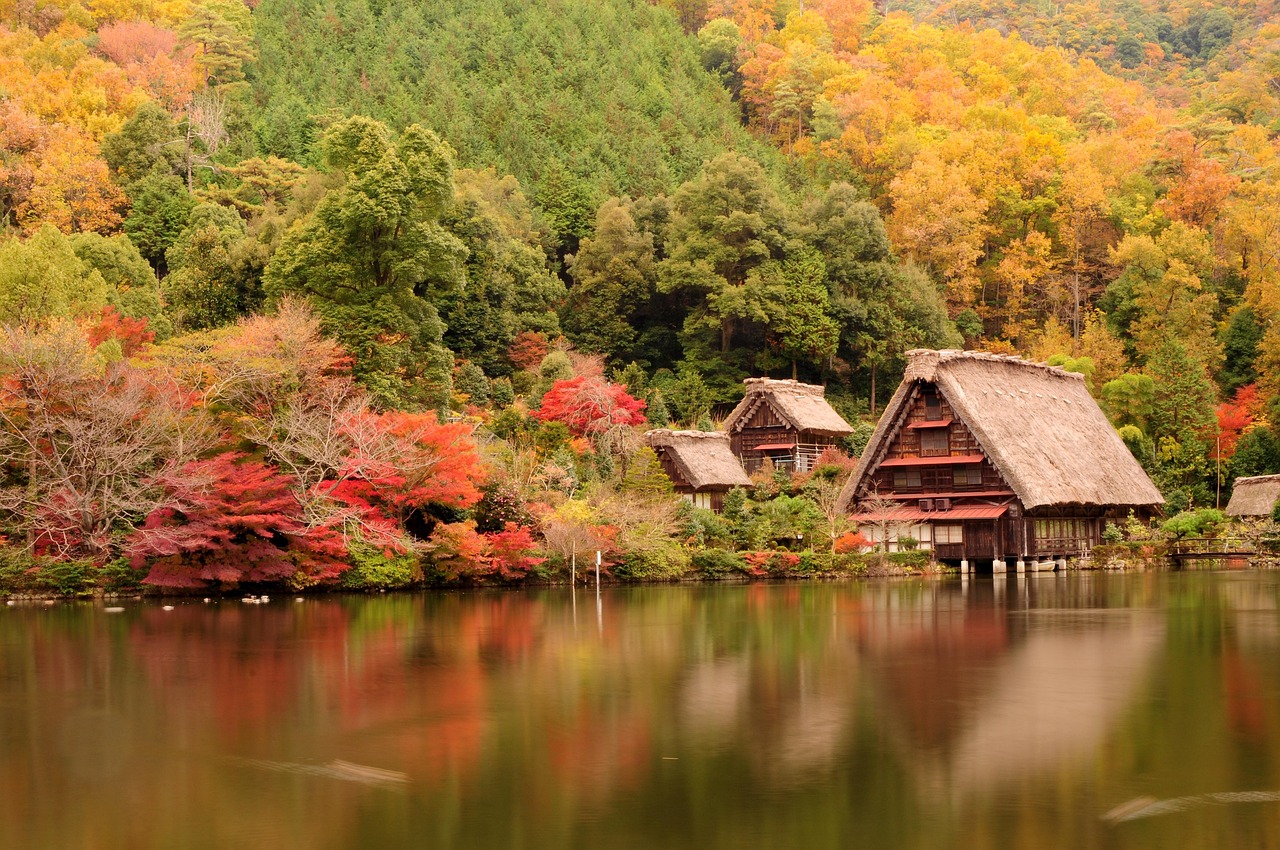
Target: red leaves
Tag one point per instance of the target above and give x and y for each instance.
(402, 462)
(131, 333)
(527, 350)
(1237, 416)
(851, 541)
(590, 406)
(462, 553)
(234, 520)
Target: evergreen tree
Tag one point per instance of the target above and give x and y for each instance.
(1183, 396)
(373, 257)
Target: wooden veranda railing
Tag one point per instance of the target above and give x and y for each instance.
(803, 458)
(1212, 548)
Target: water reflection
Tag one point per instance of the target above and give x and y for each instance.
(906, 714)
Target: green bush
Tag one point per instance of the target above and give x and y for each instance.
(1112, 534)
(915, 560)
(372, 568)
(21, 572)
(118, 577)
(665, 561)
(1201, 523)
(703, 528)
(717, 562)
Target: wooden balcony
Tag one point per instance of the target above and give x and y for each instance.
(801, 458)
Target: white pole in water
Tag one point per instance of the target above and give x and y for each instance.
(599, 608)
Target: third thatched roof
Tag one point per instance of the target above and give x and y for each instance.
(1037, 424)
(803, 406)
(1255, 496)
(703, 458)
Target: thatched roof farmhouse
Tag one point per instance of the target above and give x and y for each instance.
(786, 421)
(1255, 496)
(699, 464)
(992, 458)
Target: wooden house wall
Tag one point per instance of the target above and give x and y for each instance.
(935, 480)
(763, 427)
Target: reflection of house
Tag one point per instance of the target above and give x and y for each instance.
(699, 464)
(990, 458)
(1254, 496)
(786, 421)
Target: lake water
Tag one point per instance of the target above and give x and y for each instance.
(1088, 710)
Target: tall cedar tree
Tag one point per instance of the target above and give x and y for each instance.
(373, 257)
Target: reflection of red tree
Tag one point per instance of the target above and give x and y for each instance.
(235, 664)
(1246, 704)
(600, 752)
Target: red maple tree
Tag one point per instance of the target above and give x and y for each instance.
(131, 333)
(590, 406)
(1237, 416)
(401, 463)
(464, 554)
(234, 520)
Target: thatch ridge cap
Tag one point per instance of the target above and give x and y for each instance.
(667, 433)
(1255, 479)
(938, 357)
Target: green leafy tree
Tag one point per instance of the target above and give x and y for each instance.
(373, 257)
(160, 208)
(1128, 399)
(132, 287)
(145, 144)
(508, 288)
(1183, 397)
(719, 42)
(804, 328)
(567, 203)
(215, 275)
(42, 278)
(222, 34)
(1240, 340)
(1257, 453)
(614, 277)
(725, 223)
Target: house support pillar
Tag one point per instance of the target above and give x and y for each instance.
(1021, 566)
(998, 567)
(1062, 565)
(964, 566)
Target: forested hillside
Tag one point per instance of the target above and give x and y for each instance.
(476, 203)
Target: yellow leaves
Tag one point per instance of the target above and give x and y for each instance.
(72, 190)
(160, 11)
(939, 222)
(804, 27)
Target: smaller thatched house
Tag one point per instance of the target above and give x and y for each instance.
(1254, 497)
(992, 459)
(699, 464)
(787, 422)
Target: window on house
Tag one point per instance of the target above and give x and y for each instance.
(934, 441)
(932, 408)
(944, 534)
(966, 476)
(906, 479)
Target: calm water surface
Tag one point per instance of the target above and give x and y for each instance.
(1090, 710)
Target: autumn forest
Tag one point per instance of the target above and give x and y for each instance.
(366, 294)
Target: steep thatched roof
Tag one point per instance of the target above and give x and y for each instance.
(702, 457)
(1254, 496)
(1037, 424)
(804, 406)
